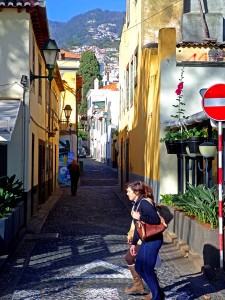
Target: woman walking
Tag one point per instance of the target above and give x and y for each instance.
(144, 210)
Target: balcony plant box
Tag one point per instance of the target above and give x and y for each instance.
(194, 142)
(181, 146)
(11, 211)
(171, 147)
(195, 222)
(200, 238)
(175, 142)
(6, 233)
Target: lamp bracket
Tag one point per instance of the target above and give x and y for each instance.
(33, 76)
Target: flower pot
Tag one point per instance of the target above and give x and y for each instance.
(199, 237)
(181, 146)
(194, 142)
(171, 147)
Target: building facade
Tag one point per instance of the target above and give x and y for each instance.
(29, 110)
(103, 115)
(153, 51)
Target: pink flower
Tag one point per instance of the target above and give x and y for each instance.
(180, 85)
(178, 91)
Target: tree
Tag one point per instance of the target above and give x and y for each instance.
(89, 70)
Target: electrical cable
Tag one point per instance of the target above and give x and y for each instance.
(152, 16)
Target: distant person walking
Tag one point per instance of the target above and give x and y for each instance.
(74, 170)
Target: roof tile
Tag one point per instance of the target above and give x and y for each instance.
(70, 54)
(22, 3)
(112, 87)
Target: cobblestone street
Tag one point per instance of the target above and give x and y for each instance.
(74, 249)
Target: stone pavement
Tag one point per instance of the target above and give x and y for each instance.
(73, 248)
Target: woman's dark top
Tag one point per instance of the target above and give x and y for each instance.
(148, 215)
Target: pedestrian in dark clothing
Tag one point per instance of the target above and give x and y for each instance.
(144, 210)
(74, 170)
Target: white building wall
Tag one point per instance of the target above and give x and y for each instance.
(14, 51)
(100, 130)
(195, 78)
(14, 62)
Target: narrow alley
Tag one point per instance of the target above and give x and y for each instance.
(74, 248)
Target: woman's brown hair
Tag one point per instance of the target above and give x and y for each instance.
(142, 188)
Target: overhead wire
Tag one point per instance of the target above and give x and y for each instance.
(152, 15)
(11, 85)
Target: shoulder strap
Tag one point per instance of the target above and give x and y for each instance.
(147, 199)
(152, 203)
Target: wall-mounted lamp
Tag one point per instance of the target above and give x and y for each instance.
(208, 151)
(49, 52)
(67, 111)
(24, 81)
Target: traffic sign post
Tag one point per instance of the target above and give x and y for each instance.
(213, 103)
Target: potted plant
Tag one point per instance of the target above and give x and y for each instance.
(196, 220)
(175, 140)
(11, 210)
(214, 136)
(195, 137)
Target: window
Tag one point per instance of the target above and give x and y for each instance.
(135, 65)
(39, 81)
(47, 95)
(33, 56)
(33, 60)
(131, 85)
(128, 12)
(127, 87)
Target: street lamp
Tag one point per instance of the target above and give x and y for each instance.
(49, 52)
(208, 151)
(67, 111)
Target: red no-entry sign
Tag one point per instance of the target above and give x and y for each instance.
(213, 102)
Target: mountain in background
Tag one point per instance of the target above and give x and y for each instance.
(96, 27)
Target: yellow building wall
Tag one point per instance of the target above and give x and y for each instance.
(149, 34)
(160, 14)
(68, 97)
(40, 118)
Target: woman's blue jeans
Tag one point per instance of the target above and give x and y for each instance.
(145, 265)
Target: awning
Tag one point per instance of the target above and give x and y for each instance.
(9, 110)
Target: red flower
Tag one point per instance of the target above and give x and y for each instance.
(178, 91)
(180, 85)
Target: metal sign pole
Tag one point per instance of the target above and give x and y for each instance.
(220, 187)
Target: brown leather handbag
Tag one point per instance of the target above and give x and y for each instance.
(146, 231)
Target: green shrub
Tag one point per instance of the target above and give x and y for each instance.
(11, 192)
(167, 199)
(200, 202)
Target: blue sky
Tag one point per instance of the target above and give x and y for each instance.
(64, 10)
